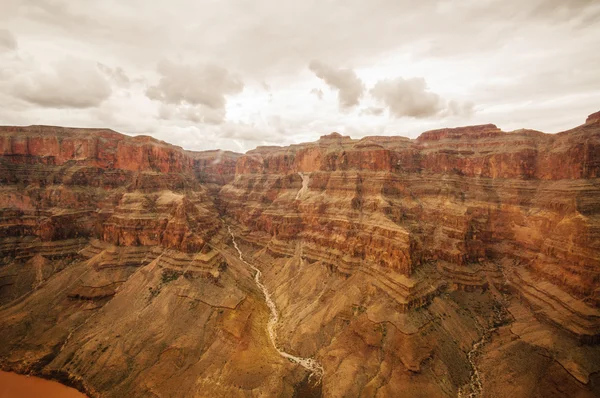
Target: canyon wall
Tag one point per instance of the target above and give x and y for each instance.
(466, 199)
(388, 258)
(113, 271)
(73, 184)
(357, 236)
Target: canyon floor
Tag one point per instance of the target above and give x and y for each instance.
(465, 263)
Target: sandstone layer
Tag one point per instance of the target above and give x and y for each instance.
(466, 261)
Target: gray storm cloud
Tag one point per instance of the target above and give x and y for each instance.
(564, 10)
(8, 42)
(350, 87)
(69, 83)
(412, 98)
(267, 36)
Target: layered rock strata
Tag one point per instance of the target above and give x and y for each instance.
(468, 200)
(403, 267)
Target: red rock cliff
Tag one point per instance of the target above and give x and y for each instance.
(464, 198)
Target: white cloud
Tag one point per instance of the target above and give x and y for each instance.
(507, 62)
(194, 84)
(372, 110)
(116, 74)
(408, 97)
(411, 97)
(317, 92)
(199, 90)
(69, 83)
(350, 87)
(192, 113)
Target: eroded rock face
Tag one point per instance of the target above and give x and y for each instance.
(461, 196)
(404, 267)
(470, 209)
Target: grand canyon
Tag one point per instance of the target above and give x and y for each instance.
(465, 262)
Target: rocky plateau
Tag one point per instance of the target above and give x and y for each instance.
(465, 262)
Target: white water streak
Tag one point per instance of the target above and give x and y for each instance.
(309, 364)
(474, 388)
(304, 189)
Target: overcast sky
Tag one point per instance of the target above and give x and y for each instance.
(235, 74)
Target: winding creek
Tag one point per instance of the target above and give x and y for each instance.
(314, 367)
(474, 388)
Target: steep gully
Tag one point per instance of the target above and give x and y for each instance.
(304, 189)
(314, 367)
(474, 388)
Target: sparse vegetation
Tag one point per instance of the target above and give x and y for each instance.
(358, 309)
(169, 276)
